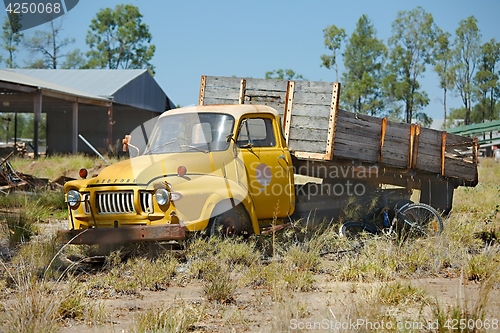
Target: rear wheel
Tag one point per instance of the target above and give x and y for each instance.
(232, 223)
(355, 229)
(419, 220)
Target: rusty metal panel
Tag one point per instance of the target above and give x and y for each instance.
(123, 234)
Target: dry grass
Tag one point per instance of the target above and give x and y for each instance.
(42, 289)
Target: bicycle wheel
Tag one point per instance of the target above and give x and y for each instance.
(418, 219)
(355, 229)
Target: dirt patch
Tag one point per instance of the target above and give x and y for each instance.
(329, 307)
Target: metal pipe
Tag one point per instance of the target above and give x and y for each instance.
(92, 147)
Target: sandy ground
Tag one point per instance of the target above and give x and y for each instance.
(329, 306)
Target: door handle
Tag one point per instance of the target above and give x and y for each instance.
(283, 158)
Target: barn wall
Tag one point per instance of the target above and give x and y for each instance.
(92, 124)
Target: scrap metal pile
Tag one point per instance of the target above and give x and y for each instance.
(12, 180)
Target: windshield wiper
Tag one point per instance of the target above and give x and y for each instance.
(247, 145)
(160, 146)
(194, 147)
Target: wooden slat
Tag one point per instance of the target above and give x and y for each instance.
(416, 144)
(310, 110)
(355, 151)
(221, 93)
(309, 122)
(211, 101)
(266, 85)
(306, 145)
(308, 155)
(443, 151)
(313, 87)
(324, 99)
(222, 81)
(202, 90)
(309, 134)
(287, 115)
(332, 121)
(382, 137)
(241, 95)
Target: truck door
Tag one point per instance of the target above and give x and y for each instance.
(268, 166)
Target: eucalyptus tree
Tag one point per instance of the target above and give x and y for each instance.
(283, 74)
(364, 58)
(11, 38)
(334, 37)
(467, 48)
(118, 38)
(47, 47)
(443, 61)
(486, 82)
(411, 44)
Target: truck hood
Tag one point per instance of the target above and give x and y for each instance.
(143, 170)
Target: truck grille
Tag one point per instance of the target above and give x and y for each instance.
(122, 202)
(115, 202)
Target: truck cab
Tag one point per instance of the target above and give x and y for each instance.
(221, 168)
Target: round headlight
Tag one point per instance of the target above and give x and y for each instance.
(74, 198)
(162, 196)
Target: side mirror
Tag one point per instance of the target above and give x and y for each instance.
(126, 142)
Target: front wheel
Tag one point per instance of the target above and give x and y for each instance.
(231, 223)
(418, 219)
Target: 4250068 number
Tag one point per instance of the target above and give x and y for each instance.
(471, 324)
(33, 8)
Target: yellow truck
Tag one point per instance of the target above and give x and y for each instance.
(257, 152)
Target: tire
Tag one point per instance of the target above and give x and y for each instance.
(232, 223)
(420, 220)
(355, 229)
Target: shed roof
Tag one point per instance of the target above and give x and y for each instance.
(133, 87)
(97, 82)
(474, 129)
(15, 77)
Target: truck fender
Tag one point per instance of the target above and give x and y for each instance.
(220, 202)
(228, 204)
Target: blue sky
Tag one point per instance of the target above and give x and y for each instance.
(249, 38)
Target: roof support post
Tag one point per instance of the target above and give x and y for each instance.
(74, 133)
(110, 126)
(37, 111)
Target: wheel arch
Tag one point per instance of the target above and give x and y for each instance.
(231, 203)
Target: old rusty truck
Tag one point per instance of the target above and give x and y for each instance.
(255, 153)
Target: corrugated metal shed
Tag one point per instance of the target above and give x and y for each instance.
(20, 78)
(488, 133)
(133, 87)
(101, 105)
(475, 129)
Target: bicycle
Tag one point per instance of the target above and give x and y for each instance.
(402, 220)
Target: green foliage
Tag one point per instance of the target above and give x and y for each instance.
(17, 227)
(179, 317)
(442, 62)
(363, 60)
(74, 60)
(25, 127)
(49, 45)
(11, 38)
(412, 41)
(283, 74)
(119, 39)
(487, 83)
(467, 47)
(334, 37)
(218, 285)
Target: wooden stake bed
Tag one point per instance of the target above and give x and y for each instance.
(316, 129)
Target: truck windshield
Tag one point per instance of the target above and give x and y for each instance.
(191, 132)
